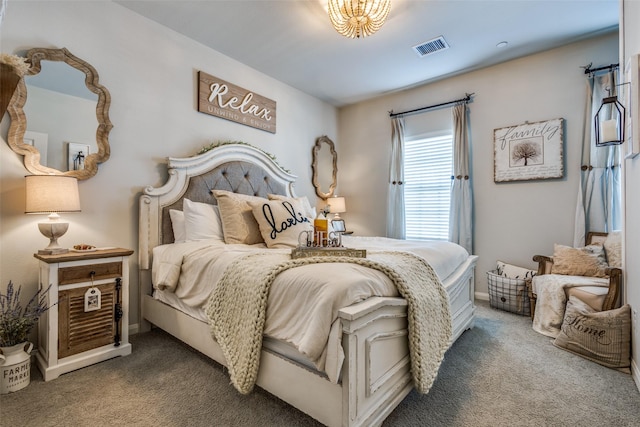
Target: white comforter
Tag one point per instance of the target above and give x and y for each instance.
(303, 302)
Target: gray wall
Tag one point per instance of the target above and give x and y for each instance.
(513, 221)
(151, 73)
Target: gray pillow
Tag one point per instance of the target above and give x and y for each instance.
(603, 337)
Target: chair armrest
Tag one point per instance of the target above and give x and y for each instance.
(544, 267)
(615, 284)
(544, 264)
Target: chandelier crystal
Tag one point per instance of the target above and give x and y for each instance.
(356, 18)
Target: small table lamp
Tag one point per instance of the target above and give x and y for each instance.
(52, 194)
(337, 206)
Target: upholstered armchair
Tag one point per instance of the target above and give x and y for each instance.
(592, 274)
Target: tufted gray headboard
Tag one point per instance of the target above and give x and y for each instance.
(236, 176)
(239, 168)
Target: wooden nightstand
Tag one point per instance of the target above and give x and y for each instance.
(90, 323)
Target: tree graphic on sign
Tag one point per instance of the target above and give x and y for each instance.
(526, 153)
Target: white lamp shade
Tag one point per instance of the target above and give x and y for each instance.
(336, 204)
(52, 193)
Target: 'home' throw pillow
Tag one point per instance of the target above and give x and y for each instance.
(603, 337)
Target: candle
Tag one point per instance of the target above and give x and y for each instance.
(609, 130)
(320, 228)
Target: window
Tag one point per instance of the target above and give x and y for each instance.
(428, 165)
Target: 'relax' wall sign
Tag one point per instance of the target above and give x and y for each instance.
(228, 101)
(529, 151)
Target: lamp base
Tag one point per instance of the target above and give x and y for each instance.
(53, 230)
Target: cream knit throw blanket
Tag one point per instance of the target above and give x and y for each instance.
(237, 307)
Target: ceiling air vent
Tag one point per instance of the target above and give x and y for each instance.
(432, 46)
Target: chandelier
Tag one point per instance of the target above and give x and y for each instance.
(355, 18)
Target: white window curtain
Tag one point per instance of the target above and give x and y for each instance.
(599, 193)
(461, 214)
(395, 205)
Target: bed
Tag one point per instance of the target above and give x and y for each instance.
(373, 335)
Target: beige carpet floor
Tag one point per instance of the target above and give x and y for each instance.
(500, 373)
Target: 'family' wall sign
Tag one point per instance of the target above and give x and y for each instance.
(529, 151)
(228, 101)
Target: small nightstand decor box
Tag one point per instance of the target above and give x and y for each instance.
(89, 323)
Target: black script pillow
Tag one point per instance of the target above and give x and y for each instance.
(603, 337)
(281, 222)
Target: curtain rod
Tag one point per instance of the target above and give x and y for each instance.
(609, 67)
(466, 98)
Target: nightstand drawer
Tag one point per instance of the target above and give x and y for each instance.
(85, 273)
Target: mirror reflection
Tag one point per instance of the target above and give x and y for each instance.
(325, 167)
(64, 135)
(59, 115)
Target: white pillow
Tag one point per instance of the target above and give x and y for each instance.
(513, 271)
(613, 249)
(281, 221)
(177, 224)
(310, 212)
(201, 221)
(306, 206)
(238, 223)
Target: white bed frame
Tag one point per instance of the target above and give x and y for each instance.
(376, 372)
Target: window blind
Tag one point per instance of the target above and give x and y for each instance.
(428, 164)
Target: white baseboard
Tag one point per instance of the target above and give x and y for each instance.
(484, 296)
(133, 329)
(635, 373)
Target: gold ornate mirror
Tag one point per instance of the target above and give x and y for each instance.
(324, 167)
(63, 94)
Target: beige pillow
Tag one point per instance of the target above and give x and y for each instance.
(603, 337)
(238, 222)
(613, 249)
(306, 206)
(281, 221)
(588, 261)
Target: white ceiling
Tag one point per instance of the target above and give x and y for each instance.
(294, 42)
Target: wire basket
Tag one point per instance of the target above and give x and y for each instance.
(508, 294)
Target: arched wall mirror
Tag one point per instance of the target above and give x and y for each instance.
(60, 116)
(324, 167)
